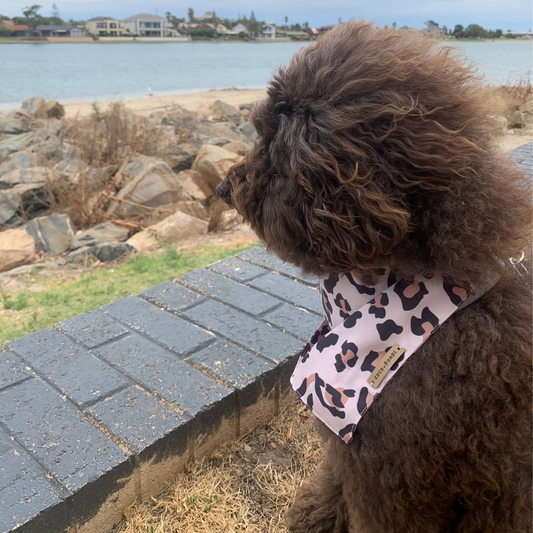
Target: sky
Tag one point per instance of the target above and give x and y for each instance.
(515, 15)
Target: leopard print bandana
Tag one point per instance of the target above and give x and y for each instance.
(363, 322)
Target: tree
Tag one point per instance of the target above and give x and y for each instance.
(55, 17)
(306, 25)
(253, 26)
(55, 11)
(33, 18)
(190, 14)
(431, 25)
(394, 25)
(215, 20)
(286, 19)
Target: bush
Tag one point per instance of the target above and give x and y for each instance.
(208, 33)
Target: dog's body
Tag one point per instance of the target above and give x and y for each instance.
(375, 154)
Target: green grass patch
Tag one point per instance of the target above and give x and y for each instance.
(23, 312)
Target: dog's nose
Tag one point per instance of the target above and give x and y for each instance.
(222, 191)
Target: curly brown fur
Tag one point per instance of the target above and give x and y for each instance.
(376, 152)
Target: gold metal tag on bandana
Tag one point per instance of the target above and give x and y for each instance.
(381, 370)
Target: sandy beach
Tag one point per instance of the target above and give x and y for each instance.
(197, 101)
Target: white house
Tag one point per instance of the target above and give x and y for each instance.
(146, 25)
(269, 30)
(239, 28)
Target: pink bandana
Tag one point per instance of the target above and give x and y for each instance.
(370, 331)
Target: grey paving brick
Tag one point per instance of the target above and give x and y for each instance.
(24, 490)
(92, 329)
(229, 291)
(237, 269)
(61, 438)
(297, 321)
(163, 372)
(12, 369)
(232, 364)
(161, 325)
(245, 330)
(69, 365)
(136, 417)
(291, 291)
(172, 295)
(260, 256)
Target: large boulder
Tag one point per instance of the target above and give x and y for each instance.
(193, 208)
(36, 107)
(248, 131)
(20, 114)
(222, 130)
(54, 109)
(16, 249)
(516, 119)
(52, 234)
(100, 234)
(33, 175)
(9, 204)
(13, 126)
(179, 156)
(7, 148)
(500, 125)
(237, 147)
(226, 112)
(178, 226)
(154, 186)
(143, 241)
(213, 163)
(19, 160)
(194, 185)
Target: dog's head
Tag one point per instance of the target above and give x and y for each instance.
(375, 151)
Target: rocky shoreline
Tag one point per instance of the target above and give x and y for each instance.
(113, 183)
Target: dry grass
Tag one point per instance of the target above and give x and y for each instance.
(245, 487)
(108, 137)
(510, 96)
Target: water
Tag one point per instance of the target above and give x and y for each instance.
(92, 72)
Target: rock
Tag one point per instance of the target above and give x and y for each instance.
(54, 109)
(219, 141)
(33, 175)
(13, 126)
(7, 148)
(516, 119)
(9, 204)
(36, 107)
(16, 248)
(143, 241)
(248, 131)
(528, 107)
(100, 234)
(500, 125)
(193, 208)
(229, 219)
(180, 157)
(245, 114)
(53, 127)
(111, 251)
(194, 185)
(19, 160)
(154, 186)
(223, 130)
(80, 255)
(20, 114)
(52, 234)
(226, 112)
(237, 147)
(245, 107)
(177, 226)
(213, 164)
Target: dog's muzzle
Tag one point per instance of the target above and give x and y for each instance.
(223, 191)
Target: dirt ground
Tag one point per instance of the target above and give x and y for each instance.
(245, 487)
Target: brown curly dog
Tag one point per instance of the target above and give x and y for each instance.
(376, 152)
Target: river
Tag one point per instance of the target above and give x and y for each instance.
(102, 71)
